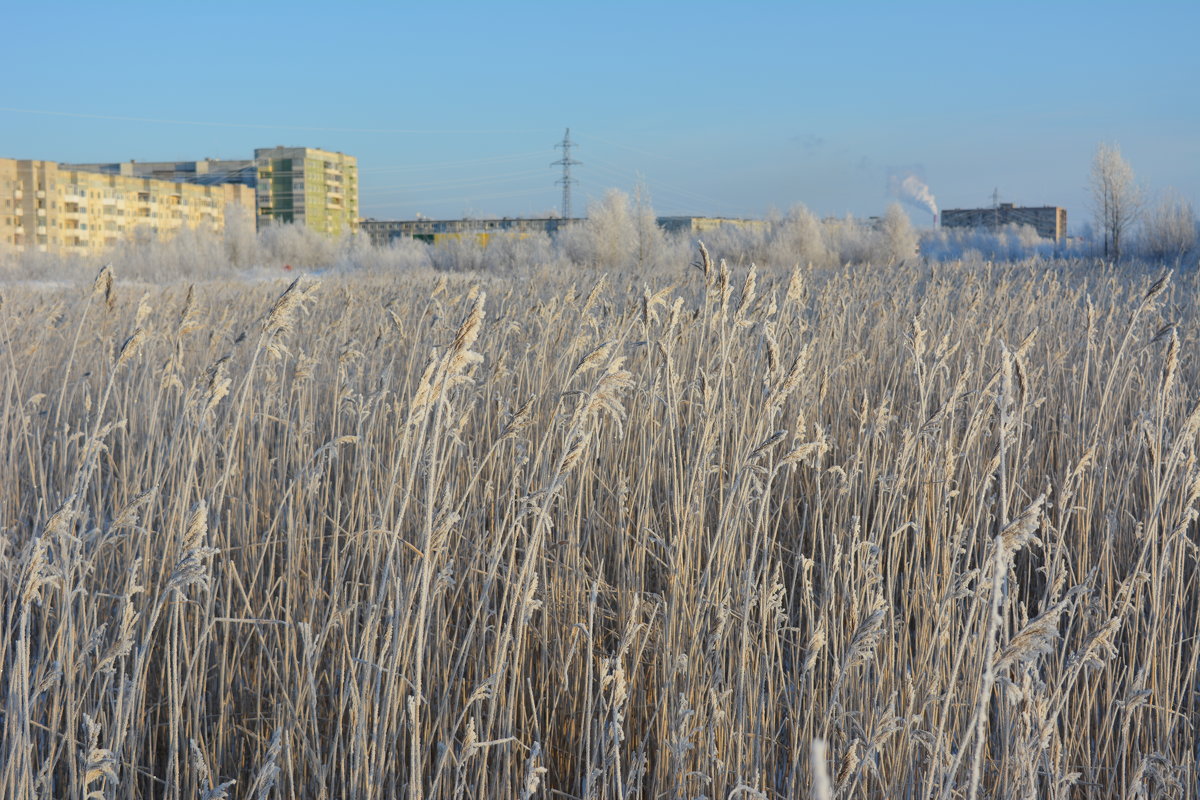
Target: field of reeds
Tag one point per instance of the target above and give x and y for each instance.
(919, 531)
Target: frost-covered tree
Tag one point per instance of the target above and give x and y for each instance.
(1169, 229)
(734, 243)
(798, 239)
(1008, 243)
(851, 241)
(1116, 198)
(899, 238)
(240, 237)
(296, 246)
(463, 253)
(648, 235)
(613, 233)
(400, 255)
(515, 252)
(607, 239)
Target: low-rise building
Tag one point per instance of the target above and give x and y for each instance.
(434, 231)
(704, 224)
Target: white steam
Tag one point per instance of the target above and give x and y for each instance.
(912, 190)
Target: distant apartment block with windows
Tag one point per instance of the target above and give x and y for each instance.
(1050, 222)
(50, 207)
(206, 172)
(307, 186)
(299, 185)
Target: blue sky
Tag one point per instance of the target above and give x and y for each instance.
(455, 108)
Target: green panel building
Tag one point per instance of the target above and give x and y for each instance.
(306, 186)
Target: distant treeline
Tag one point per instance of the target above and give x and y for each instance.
(619, 234)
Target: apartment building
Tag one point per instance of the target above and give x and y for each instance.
(307, 186)
(50, 207)
(1050, 222)
(207, 171)
(300, 185)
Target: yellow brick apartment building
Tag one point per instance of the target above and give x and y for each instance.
(307, 186)
(48, 207)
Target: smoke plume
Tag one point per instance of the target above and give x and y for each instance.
(910, 189)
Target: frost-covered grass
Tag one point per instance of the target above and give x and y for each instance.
(557, 535)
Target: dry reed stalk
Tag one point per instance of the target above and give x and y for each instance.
(593, 537)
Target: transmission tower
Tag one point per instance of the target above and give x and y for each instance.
(566, 163)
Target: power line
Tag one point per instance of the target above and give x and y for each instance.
(642, 152)
(461, 182)
(426, 201)
(451, 164)
(258, 126)
(566, 163)
(657, 187)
